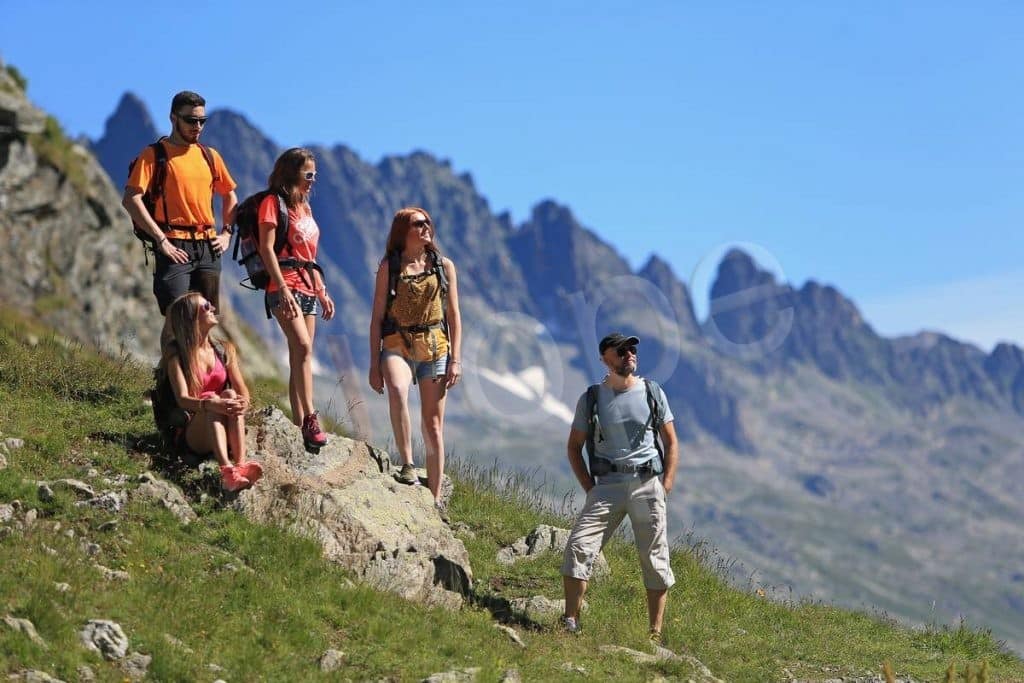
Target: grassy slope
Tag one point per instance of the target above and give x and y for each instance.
(264, 605)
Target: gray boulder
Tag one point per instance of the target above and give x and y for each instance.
(331, 660)
(105, 637)
(539, 608)
(346, 499)
(454, 676)
(25, 627)
(164, 494)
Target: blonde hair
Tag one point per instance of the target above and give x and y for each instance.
(180, 337)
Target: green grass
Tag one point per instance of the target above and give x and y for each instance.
(55, 148)
(264, 605)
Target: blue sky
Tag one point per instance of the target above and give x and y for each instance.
(874, 146)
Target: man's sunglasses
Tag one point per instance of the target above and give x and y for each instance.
(423, 222)
(193, 120)
(311, 175)
(623, 350)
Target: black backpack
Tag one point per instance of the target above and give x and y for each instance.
(155, 191)
(247, 242)
(600, 466)
(167, 414)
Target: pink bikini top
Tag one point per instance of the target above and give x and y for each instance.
(215, 380)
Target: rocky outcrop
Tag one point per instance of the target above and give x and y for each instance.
(347, 500)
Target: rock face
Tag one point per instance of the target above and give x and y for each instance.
(346, 499)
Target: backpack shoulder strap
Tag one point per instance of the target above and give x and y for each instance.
(394, 270)
(592, 423)
(442, 276)
(654, 421)
(281, 236)
(157, 182)
(208, 155)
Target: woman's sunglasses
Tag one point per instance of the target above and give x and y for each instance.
(420, 224)
(206, 305)
(310, 175)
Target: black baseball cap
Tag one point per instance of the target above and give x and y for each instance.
(616, 339)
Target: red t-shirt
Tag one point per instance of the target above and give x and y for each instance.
(303, 236)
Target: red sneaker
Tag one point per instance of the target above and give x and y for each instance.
(231, 478)
(311, 432)
(251, 470)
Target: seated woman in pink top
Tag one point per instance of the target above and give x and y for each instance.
(209, 386)
(295, 294)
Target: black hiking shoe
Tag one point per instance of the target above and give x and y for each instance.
(407, 475)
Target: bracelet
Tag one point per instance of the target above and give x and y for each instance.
(456, 360)
(227, 229)
(161, 241)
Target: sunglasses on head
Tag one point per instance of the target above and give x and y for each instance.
(311, 175)
(193, 120)
(422, 223)
(623, 350)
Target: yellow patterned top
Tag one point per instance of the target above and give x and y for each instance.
(417, 302)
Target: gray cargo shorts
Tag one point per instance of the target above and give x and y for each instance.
(643, 499)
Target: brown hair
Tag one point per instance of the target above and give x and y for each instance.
(400, 226)
(287, 175)
(182, 330)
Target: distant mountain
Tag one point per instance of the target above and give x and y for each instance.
(849, 466)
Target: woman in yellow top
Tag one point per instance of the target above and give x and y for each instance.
(415, 338)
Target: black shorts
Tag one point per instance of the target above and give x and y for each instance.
(200, 274)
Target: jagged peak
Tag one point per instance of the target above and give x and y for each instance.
(130, 111)
(657, 268)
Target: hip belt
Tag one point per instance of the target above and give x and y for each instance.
(194, 233)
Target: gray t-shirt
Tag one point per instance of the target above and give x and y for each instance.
(622, 418)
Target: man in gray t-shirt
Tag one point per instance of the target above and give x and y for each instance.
(623, 479)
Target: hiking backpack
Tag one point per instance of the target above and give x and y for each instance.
(247, 242)
(167, 414)
(155, 191)
(600, 466)
(389, 325)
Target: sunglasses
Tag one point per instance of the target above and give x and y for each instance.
(193, 120)
(623, 350)
(422, 223)
(206, 306)
(310, 175)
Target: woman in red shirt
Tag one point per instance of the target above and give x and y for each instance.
(295, 294)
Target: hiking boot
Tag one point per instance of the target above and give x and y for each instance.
(311, 432)
(232, 480)
(251, 470)
(407, 475)
(570, 625)
(655, 637)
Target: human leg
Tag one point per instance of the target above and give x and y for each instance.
(432, 402)
(648, 515)
(170, 279)
(206, 433)
(205, 277)
(300, 364)
(397, 379)
(602, 513)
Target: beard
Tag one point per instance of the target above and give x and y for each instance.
(624, 369)
(187, 135)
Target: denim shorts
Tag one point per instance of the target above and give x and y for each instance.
(422, 369)
(308, 303)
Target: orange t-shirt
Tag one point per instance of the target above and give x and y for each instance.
(303, 237)
(189, 186)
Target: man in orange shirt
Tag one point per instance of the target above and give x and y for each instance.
(181, 223)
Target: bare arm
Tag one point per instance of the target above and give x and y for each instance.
(671, 445)
(577, 440)
(454, 319)
(228, 202)
(380, 300)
